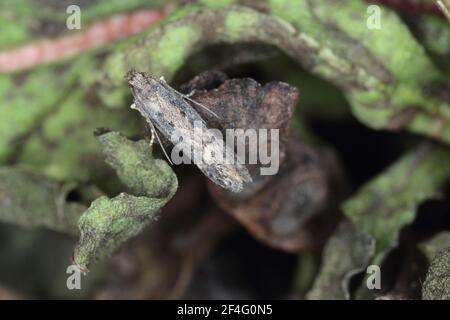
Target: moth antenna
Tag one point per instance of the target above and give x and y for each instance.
(160, 143)
(188, 98)
(200, 105)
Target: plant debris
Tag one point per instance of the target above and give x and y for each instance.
(340, 188)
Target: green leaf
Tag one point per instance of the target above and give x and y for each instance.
(437, 281)
(437, 243)
(347, 253)
(389, 202)
(31, 200)
(110, 222)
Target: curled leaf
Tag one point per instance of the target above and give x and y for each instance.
(433, 32)
(136, 167)
(388, 203)
(290, 207)
(346, 253)
(110, 222)
(31, 200)
(436, 244)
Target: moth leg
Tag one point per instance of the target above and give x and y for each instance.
(159, 140)
(190, 94)
(149, 134)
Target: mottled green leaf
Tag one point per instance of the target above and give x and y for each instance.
(31, 200)
(437, 243)
(110, 222)
(437, 282)
(389, 202)
(136, 167)
(346, 254)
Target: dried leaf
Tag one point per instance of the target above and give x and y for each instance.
(296, 210)
(286, 210)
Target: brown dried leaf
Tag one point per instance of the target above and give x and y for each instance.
(292, 210)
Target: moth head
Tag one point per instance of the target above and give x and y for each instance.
(139, 79)
(135, 78)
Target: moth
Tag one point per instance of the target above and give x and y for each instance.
(170, 112)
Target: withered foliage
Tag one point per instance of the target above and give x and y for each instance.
(287, 210)
(358, 205)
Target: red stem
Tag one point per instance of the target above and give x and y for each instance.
(95, 35)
